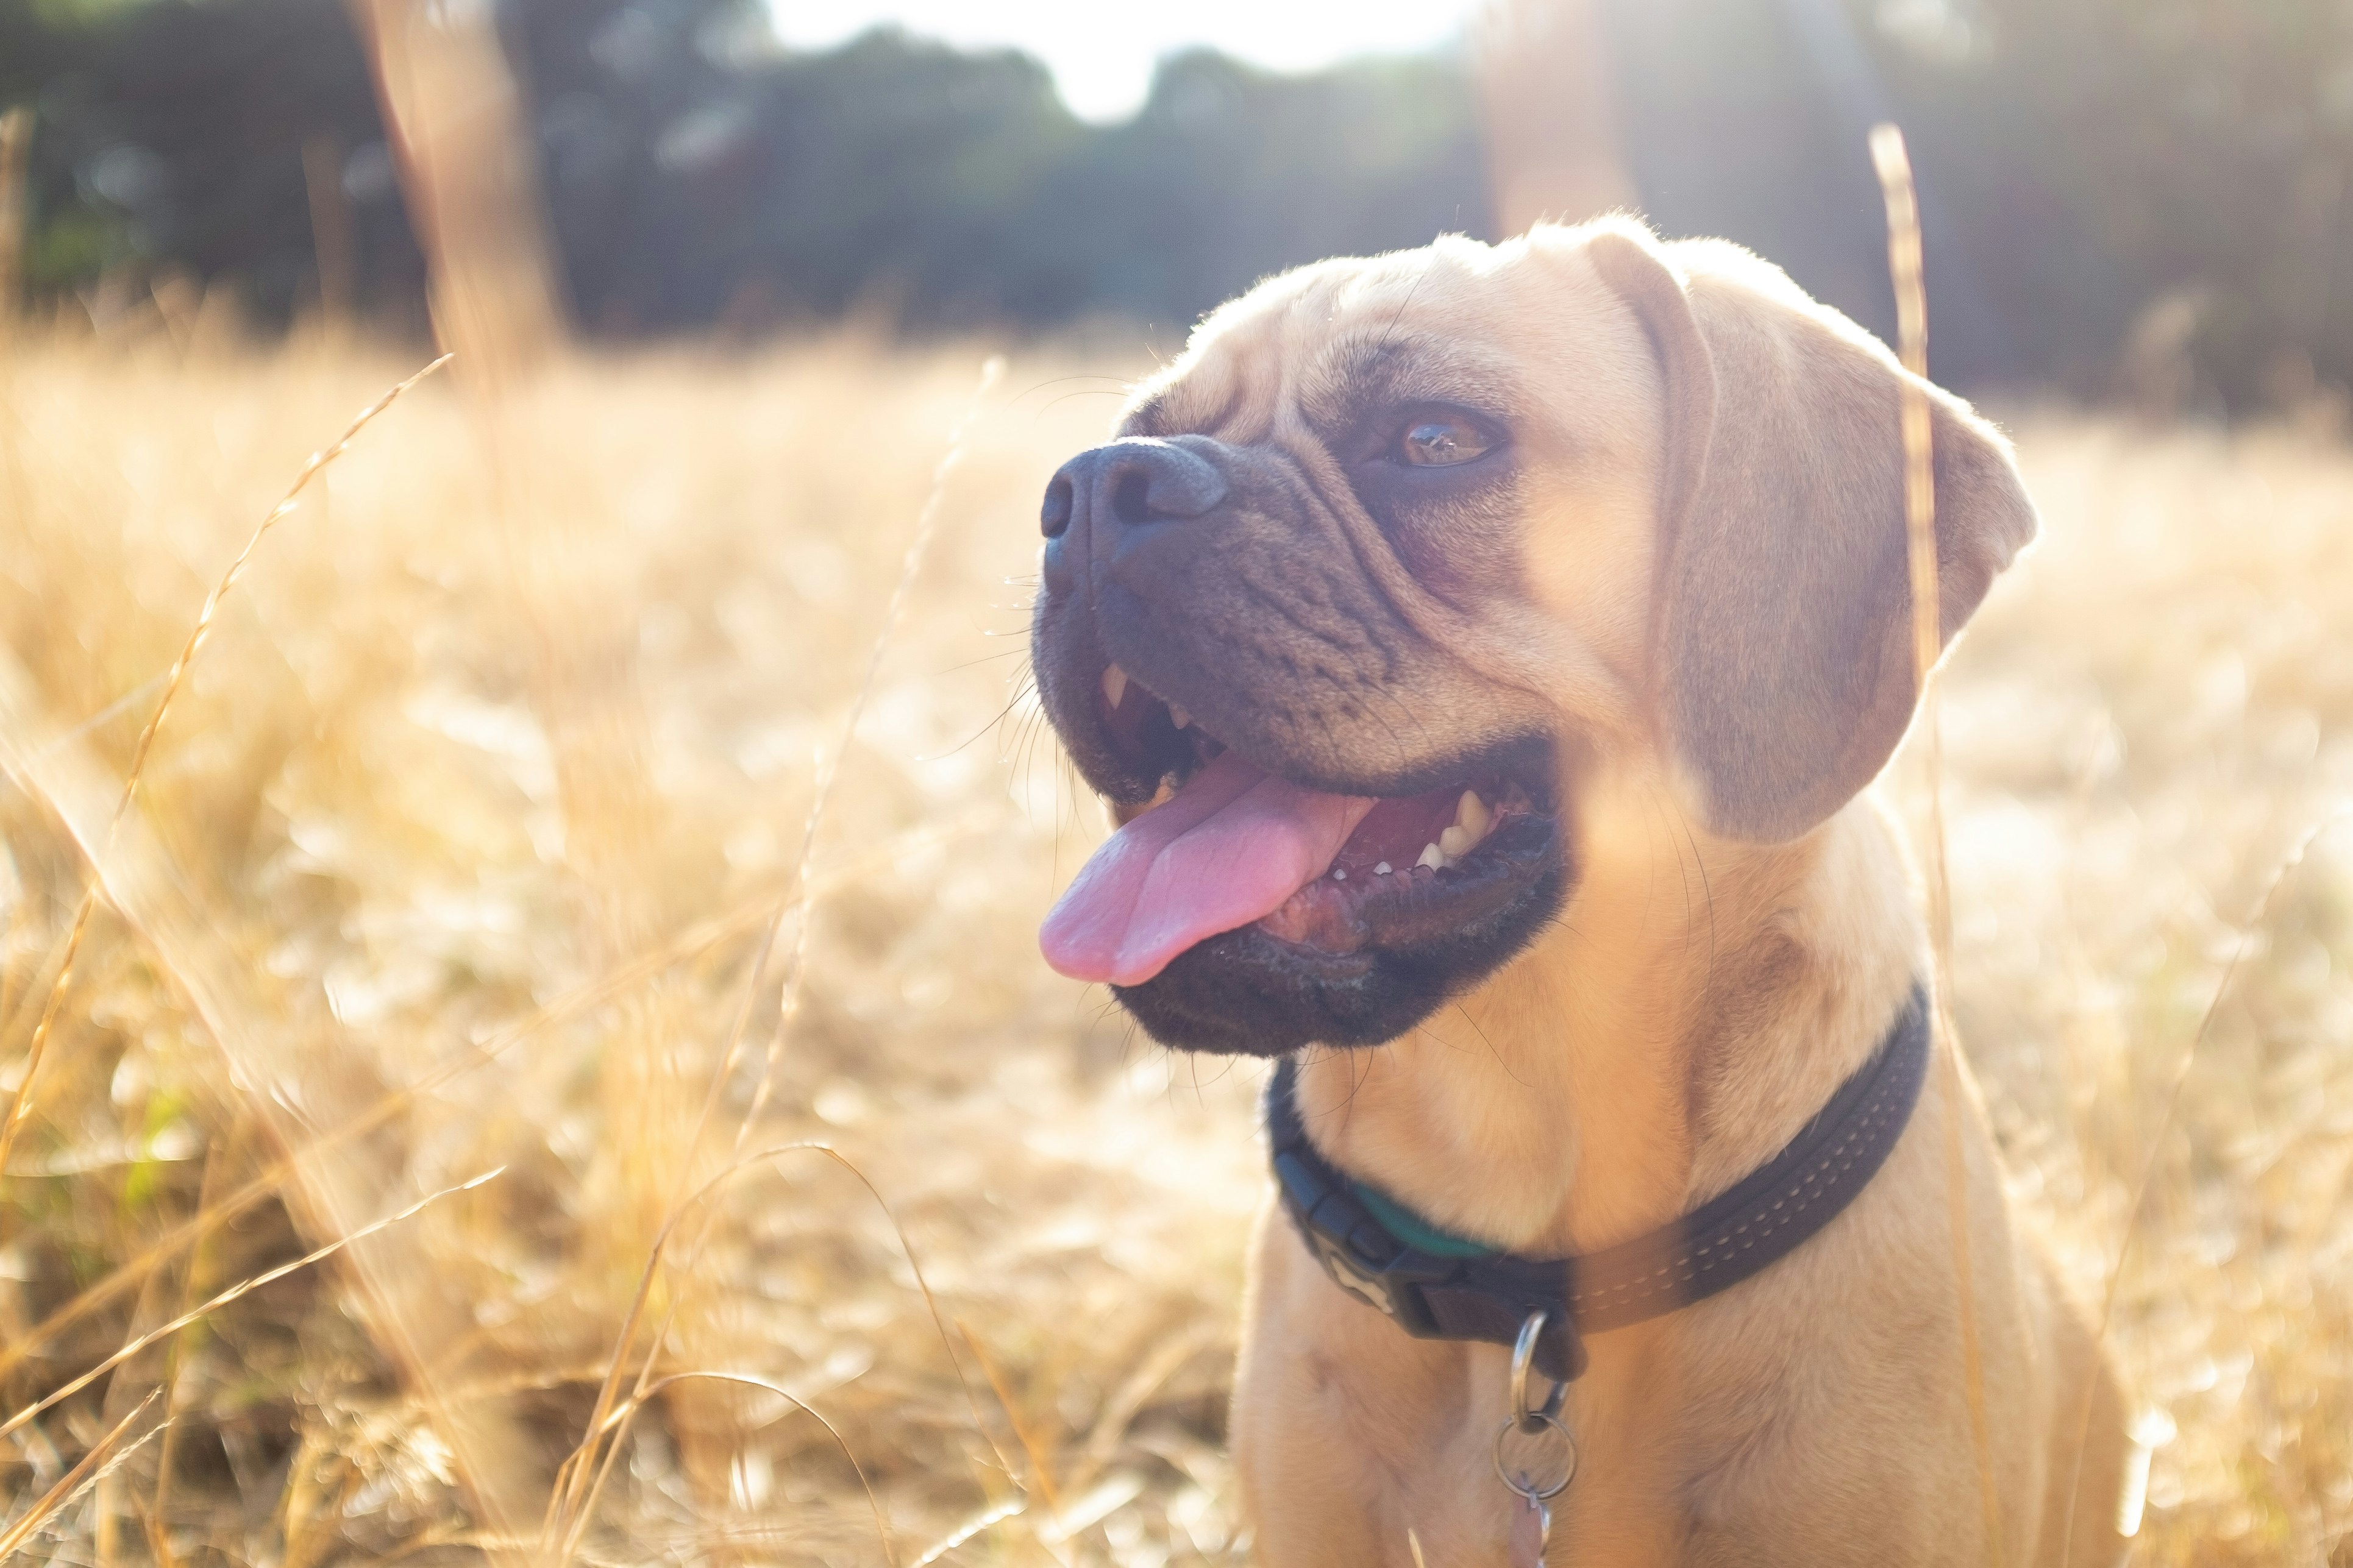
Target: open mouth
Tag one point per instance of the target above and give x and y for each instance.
(1354, 913)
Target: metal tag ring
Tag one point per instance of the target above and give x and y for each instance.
(1536, 1486)
(1524, 1353)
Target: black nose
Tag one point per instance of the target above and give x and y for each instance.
(1135, 481)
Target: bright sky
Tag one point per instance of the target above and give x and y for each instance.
(1101, 51)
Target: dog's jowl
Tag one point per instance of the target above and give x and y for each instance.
(1485, 650)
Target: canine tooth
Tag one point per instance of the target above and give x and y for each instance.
(1115, 684)
(1432, 857)
(1455, 842)
(1471, 813)
(1178, 717)
(1382, 869)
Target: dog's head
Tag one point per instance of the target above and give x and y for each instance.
(1402, 548)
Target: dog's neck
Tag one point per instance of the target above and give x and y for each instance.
(1694, 1005)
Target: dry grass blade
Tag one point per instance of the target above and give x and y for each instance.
(288, 1076)
(242, 1287)
(568, 1500)
(133, 1273)
(687, 946)
(994, 1514)
(2257, 921)
(1041, 1460)
(927, 525)
(69, 1485)
(621, 1420)
(159, 1508)
(1120, 1411)
(1893, 166)
(574, 1498)
(21, 1104)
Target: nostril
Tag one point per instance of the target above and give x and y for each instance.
(1130, 499)
(1128, 484)
(1054, 517)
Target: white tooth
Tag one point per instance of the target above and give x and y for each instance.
(1115, 684)
(1470, 812)
(1432, 857)
(1178, 717)
(1455, 843)
(1382, 869)
(1338, 875)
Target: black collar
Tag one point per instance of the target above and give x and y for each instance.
(1439, 1287)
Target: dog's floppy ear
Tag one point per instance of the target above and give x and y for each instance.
(1781, 631)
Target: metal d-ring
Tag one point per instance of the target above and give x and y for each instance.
(1523, 1351)
(1537, 1484)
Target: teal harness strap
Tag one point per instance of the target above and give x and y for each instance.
(1413, 1229)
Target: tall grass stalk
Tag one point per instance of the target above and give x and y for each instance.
(1893, 166)
(20, 1104)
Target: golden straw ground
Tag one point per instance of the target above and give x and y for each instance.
(360, 796)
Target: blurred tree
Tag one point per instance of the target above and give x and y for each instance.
(697, 176)
(2104, 180)
(2151, 185)
(171, 133)
(2125, 156)
(1230, 173)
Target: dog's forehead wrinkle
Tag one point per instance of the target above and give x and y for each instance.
(1220, 385)
(1186, 409)
(1197, 394)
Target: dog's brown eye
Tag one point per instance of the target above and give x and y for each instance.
(1437, 443)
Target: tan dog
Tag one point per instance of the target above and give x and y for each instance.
(1577, 564)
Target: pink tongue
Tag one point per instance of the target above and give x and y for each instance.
(1231, 847)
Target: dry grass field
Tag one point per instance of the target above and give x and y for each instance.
(457, 859)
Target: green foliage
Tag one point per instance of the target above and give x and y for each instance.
(75, 245)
